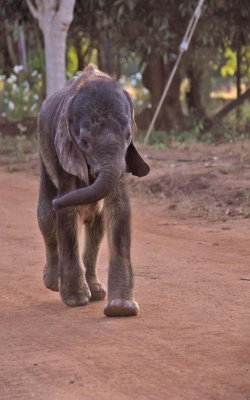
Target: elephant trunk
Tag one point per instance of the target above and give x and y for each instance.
(104, 183)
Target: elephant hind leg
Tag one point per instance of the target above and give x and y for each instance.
(47, 224)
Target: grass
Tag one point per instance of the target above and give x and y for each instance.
(236, 126)
(17, 147)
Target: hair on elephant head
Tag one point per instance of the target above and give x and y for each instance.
(94, 132)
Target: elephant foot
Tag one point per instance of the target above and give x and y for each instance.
(98, 291)
(77, 298)
(51, 278)
(121, 308)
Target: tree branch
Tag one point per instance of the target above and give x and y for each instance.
(10, 47)
(32, 9)
(229, 107)
(37, 11)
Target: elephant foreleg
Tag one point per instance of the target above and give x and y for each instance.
(74, 290)
(47, 224)
(93, 235)
(120, 278)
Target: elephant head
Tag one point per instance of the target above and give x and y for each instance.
(94, 135)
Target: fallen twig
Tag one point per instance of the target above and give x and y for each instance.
(172, 159)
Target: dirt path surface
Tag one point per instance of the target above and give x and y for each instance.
(189, 341)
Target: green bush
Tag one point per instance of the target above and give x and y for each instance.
(21, 94)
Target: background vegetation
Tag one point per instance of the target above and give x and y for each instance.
(137, 41)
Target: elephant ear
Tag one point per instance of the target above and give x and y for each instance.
(70, 157)
(135, 163)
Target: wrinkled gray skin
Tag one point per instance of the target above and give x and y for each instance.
(85, 145)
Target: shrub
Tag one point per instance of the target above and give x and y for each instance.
(21, 94)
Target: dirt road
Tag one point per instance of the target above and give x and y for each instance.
(190, 340)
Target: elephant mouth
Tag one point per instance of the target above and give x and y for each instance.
(94, 173)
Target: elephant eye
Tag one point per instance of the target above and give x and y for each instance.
(84, 143)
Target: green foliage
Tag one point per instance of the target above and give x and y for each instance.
(19, 146)
(226, 61)
(136, 25)
(72, 60)
(230, 66)
(36, 60)
(159, 139)
(21, 94)
(14, 9)
(223, 22)
(237, 123)
(245, 66)
(235, 127)
(79, 47)
(153, 27)
(192, 133)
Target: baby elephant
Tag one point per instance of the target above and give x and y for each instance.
(86, 146)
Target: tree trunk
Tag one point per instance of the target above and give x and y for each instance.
(55, 47)
(196, 64)
(55, 17)
(173, 114)
(238, 72)
(238, 76)
(55, 29)
(22, 53)
(194, 101)
(10, 45)
(109, 58)
(154, 78)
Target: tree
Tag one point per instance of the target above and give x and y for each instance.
(54, 18)
(141, 28)
(230, 35)
(158, 27)
(99, 21)
(14, 16)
